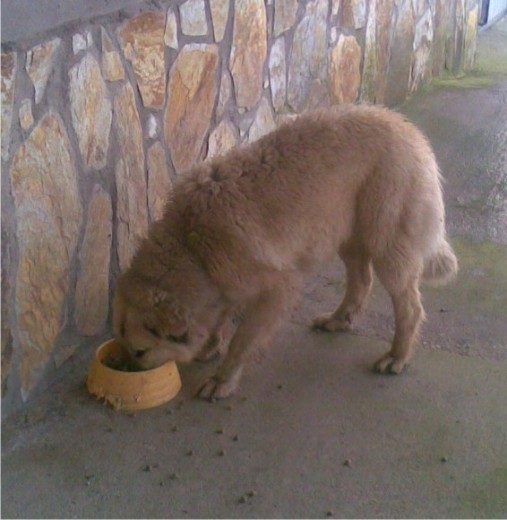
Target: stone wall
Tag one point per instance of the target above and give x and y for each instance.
(99, 116)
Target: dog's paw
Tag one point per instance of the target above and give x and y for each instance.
(214, 388)
(387, 364)
(331, 324)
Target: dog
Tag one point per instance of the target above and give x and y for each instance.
(241, 231)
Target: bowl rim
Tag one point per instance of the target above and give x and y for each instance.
(150, 372)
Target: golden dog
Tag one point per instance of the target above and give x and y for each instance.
(240, 231)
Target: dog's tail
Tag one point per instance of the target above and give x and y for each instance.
(442, 267)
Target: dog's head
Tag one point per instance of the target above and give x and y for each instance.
(169, 319)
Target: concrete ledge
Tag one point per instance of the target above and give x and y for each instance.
(23, 19)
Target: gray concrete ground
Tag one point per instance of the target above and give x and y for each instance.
(429, 443)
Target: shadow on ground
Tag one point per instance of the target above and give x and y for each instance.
(313, 432)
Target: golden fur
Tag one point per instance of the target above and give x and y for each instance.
(241, 230)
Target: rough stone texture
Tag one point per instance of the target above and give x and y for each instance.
(249, 47)
(223, 138)
(7, 98)
(309, 52)
(39, 64)
(471, 37)
(419, 7)
(6, 333)
(376, 55)
(344, 75)
(25, 114)
(191, 95)
(285, 15)
(152, 127)
(171, 30)
(333, 35)
(91, 111)
(143, 44)
(263, 123)
(219, 16)
(132, 211)
(459, 36)
(193, 18)
(224, 94)
(277, 74)
(420, 70)
(401, 57)
(159, 182)
(92, 288)
(353, 14)
(78, 43)
(442, 32)
(48, 213)
(81, 42)
(112, 67)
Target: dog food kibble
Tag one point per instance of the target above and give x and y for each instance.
(118, 362)
(221, 453)
(244, 498)
(347, 463)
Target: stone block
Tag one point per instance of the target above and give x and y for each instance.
(92, 288)
(142, 39)
(48, 214)
(191, 91)
(249, 48)
(90, 110)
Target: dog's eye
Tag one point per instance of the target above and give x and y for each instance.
(153, 331)
(139, 353)
(183, 338)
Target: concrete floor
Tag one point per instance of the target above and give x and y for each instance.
(429, 443)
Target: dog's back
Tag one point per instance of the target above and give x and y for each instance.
(290, 199)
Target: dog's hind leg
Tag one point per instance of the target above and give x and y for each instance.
(402, 283)
(359, 284)
(260, 320)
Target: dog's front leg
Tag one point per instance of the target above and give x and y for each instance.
(219, 340)
(260, 321)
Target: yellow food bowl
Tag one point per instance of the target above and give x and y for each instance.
(131, 391)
